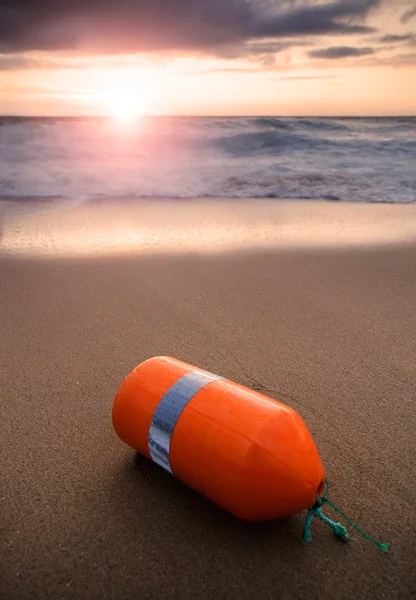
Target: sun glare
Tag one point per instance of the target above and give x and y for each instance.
(124, 106)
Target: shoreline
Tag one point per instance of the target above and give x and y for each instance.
(123, 227)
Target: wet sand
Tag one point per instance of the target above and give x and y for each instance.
(329, 331)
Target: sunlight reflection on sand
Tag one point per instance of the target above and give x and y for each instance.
(142, 226)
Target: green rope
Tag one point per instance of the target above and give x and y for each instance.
(383, 547)
(338, 528)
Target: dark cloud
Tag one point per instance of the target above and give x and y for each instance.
(95, 26)
(335, 52)
(392, 39)
(320, 18)
(408, 15)
(16, 62)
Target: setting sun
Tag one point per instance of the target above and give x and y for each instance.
(124, 105)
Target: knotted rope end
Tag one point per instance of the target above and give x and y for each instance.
(339, 529)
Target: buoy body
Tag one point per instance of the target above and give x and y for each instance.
(249, 454)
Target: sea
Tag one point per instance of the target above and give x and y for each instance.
(334, 159)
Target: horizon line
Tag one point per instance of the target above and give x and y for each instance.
(219, 116)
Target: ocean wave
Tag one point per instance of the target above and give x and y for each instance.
(363, 160)
(270, 142)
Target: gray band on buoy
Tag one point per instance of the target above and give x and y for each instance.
(170, 409)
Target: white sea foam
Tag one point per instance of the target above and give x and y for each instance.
(362, 160)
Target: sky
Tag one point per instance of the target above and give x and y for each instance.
(208, 57)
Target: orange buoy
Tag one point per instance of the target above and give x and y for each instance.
(247, 453)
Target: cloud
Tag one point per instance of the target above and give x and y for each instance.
(404, 60)
(335, 52)
(306, 77)
(320, 18)
(408, 15)
(17, 62)
(256, 48)
(244, 70)
(392, 39)
(209, 26)
(43, 61)
(399, 60)
(29, 90)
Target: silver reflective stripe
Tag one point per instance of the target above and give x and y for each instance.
(170, 409)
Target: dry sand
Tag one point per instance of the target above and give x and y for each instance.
(329, 331)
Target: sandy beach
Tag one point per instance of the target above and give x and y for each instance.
(327, 328)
